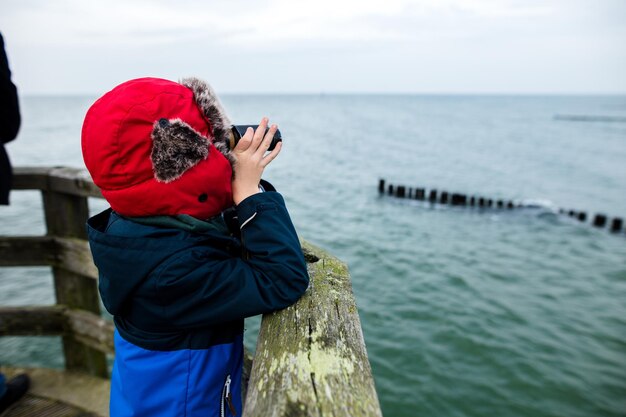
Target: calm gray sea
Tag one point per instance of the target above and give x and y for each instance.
(465, 312)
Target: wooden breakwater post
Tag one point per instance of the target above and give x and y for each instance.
(599, 220)
(435, 196)
(381, 186)
(458, 199)
(442, 197)
(616, 225)
(311, 358)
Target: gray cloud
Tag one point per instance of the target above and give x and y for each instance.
(72, 46)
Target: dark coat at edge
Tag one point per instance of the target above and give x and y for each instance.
(9, 122)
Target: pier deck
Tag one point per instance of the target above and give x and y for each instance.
(60, 394)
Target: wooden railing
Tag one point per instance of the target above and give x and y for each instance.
(310, 358)
(76, 316)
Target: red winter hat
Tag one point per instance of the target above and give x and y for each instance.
(156, 147)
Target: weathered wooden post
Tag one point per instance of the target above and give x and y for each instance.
(616, 225)
(458, 199)
(599, 220)
(66, 215)
(310, 358)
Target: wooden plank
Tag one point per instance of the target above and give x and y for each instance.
(91, 330)
(68, 253)
(32, 321)
(60, 179)
(310, 358)
(57, 320)
(72, 181)
(30, 178)
(74, 255)
(27, 250)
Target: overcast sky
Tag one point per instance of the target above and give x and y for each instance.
(322, 46)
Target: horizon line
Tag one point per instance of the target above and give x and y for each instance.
(355, 93)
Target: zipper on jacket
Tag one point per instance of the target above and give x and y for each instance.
(227, 399)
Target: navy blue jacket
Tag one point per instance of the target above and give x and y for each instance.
(178, 299)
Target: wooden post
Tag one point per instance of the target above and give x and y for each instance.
(458, 199)
(599, 220)
(616, 224)
(401, 191)
(381, 186)
(310, 357)
(419, 193)
(66, 215)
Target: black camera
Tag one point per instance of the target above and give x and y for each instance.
(237, 131)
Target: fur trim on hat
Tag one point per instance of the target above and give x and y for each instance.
(176, 147)
(210, 104)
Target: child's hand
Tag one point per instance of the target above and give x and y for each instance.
(250, 160)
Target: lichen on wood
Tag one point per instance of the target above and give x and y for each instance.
(310, 357)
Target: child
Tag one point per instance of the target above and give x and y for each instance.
(177, 280)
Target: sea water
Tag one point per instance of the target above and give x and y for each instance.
(465, 311)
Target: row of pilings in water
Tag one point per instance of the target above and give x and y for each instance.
(457, 199)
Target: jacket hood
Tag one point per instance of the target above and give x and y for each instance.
(157, 147)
